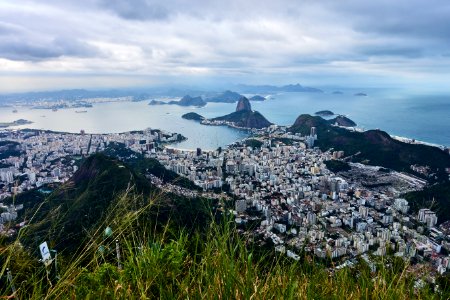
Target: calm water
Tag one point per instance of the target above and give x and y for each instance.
(423, 117)
(120, 117)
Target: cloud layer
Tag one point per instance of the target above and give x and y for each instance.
(231, 41)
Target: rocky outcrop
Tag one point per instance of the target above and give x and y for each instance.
(243, 104)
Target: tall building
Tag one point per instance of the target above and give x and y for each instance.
(427, 216)
(240, 206)
(199, 151)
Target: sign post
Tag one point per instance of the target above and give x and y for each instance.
(45, 253)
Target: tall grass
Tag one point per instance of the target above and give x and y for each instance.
(158, 261)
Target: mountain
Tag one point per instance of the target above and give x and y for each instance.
(268, 89)
(374, 147)
(185, 101)
(189, 101)
(257, 98)
(226, 97)
(243, 104)
(342, 121)
(91, 199)
(245, 117)
(193, 116)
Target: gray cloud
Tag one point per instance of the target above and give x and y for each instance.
(137, 9)
(22, 50)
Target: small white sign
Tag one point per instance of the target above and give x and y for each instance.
(45, 252)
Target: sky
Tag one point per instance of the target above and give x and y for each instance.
(58, 44)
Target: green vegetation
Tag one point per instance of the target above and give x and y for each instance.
(9, 148)
(81, 204)
(213, 263)
(193, 116)
(253, 143)
(374, 147)
(435, 197)
(144, 165)
(342, 121)
(337, 165)
(285, 141)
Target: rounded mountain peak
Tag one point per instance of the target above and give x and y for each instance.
(243, 105)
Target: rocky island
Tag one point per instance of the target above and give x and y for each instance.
(257, 98)
(193, 116)
(361, 94)
(324, 113)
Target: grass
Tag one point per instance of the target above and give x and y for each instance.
(213, 263)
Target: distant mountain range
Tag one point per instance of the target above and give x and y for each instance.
(143, 94)
(269, 89)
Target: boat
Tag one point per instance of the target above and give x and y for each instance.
(15, 111)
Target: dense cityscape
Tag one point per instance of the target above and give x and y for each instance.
(276, 183)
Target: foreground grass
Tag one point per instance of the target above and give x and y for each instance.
(214, 263)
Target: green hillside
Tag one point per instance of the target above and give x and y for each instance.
(88, 199)
(435, 197)
(374, 147)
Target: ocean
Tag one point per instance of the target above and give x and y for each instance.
(423, 117)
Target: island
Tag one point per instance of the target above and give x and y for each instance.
(342, 121)
(257, 98)
(324, 113)
(15, 123)
(157, 102)
(361, 95)
(337, 93)
(193, 116)
(224, 97)
(243, 117)
(185, 101)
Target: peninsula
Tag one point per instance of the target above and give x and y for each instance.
(15, 123)
(185, 101)
(243, 117)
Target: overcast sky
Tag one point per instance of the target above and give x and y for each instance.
(53, 44)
